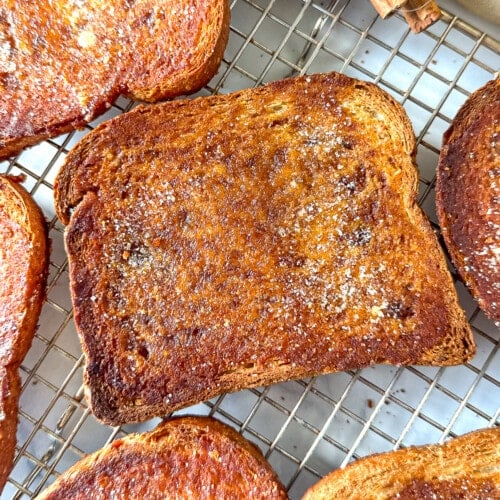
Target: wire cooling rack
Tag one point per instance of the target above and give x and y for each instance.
(305, 428)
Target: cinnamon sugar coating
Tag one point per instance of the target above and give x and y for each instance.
(241, 240)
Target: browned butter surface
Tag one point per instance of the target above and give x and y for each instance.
(241, 240)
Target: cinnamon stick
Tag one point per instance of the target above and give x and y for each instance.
(387, 7)
(420, 14)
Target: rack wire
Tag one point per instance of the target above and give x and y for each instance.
(309, 427)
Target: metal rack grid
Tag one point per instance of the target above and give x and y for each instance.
(305, 428)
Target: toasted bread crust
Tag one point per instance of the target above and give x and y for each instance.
(186, 457)
(23, 273)
(66, 62)
(467, 467)
(468, 195)
(242, 240)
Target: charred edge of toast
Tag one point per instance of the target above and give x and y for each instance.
(10, 382)
(467, 465)
(10, 146)
(39, 259)
(469, 121)
(10, 390)
(469, 111)
(75, 176)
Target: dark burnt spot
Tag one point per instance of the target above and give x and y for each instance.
(398, 310)
(356, 182)
(347, 145)
(143, 351)
(291, 260)
(195, 331)
(359, 237)
(311, 141)
(131, 342)
(94, 369)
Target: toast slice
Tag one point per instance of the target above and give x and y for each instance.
(467, 467)
(241, 240)
(23, 272)
(64, 63)
(185, 457)
(468, 195)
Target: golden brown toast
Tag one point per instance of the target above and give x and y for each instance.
(468, 195)
(63, 63)
(185, 457)
(241, 240)
(23, 272)
(467, 467)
